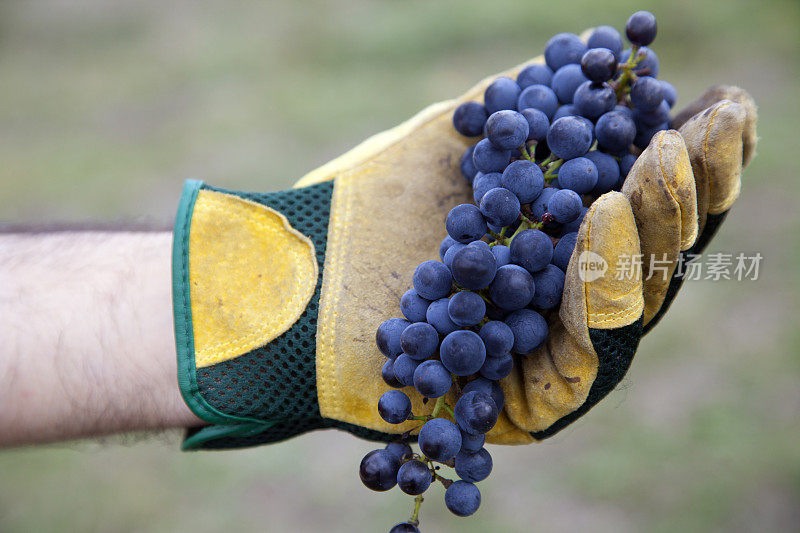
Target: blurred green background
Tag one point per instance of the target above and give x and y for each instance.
(105, 107)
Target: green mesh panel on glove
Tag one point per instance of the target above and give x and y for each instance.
(615, 350)
(277, 382)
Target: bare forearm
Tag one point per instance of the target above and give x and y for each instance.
(86, 344)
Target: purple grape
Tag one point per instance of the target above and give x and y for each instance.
(473, 467)
(539, 97)
(565, 206)
(488, 158)
(432, 379)
(466, 309)
(599, 64)
(538, 124)
(534, 74)
(394, 406)
(404, 367)
(419, 340)
(549, 284)
(462, 498)
(569, 137)
(501, 94)
(439, 439)
(378, 470)
(497, 337)
(414, 477)
(388, 375)
(532, 249)
(462, 352)
(563, 251)
(500, 207)
(388, 336)
(524, 179)
(472, 443)
(507, 129)
(562, 49)
(641, 28)
(529, 328)
(512, 288)
(413, 306)
(502, 254)
(579, 174)
(474, 267)
(469, 119)
(565, 81)
(606, 37)
(496, 368)
(488, 387)
(475, 412)
(438, 317)
(432, 280)
(399, 449)
(465, 223)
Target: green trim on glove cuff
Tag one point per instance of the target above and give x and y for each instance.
(212, 392)
(267, 394)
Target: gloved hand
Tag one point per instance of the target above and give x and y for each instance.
(277, 295)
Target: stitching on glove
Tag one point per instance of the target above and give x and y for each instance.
(624, 295)
(326, 384)
(611, 316)
(588, 221)
(604, 318)
(186, 301)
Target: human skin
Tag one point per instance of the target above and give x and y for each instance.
(86, 338)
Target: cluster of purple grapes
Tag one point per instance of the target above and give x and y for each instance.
(562, 134)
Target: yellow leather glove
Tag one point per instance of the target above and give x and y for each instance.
(277, 296)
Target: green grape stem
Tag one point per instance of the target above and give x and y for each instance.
(627, 76)
(525, 153)
(525, 224)
(552, 166)
(438, 406)
(415, 515)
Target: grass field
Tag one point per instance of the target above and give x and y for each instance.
(105, 107)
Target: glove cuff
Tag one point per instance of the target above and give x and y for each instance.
(242, 367)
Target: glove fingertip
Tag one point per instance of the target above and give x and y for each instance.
(604, 283)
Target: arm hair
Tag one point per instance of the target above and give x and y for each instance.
(86, 340)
